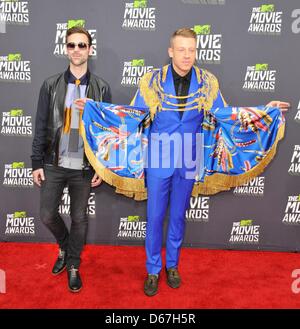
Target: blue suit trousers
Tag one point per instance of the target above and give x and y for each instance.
(175, 191)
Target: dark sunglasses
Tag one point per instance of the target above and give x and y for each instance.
(72, 45)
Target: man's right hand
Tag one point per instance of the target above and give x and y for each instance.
(38, 176)
(80, 102)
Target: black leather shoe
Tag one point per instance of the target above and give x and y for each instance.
(173, 277)
(60, 263)
(74, 280)
(151, 285)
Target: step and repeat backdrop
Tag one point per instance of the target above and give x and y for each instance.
(253, 47)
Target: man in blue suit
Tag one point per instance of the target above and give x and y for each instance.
(178, 97)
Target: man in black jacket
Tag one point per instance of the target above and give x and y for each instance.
(58, 158)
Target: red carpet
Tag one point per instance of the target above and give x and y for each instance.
(113, 278)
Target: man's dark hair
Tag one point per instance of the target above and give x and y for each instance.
(79, 29)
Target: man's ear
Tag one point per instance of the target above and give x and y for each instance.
(91, 50)
(170, 52)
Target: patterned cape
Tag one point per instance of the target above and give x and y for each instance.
(239, 142)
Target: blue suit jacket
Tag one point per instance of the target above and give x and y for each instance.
(174, 141)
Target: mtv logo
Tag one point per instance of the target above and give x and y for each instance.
(14, 57)
(202, 29)
(261, 67)
(16, 112)
(267, 8)
(140, 4)
(133, 218)
(18, 165)
(299, 197)
(20, 214)
(246, 222)
(76, 22)
(2, 282)
(138, 62)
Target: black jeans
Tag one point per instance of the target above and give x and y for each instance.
(79, 184)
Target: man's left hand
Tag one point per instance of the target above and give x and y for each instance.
(283, 106)
(96, 181)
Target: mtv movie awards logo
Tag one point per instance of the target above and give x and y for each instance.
(295, 161)
(133, 71)
(208, 45)
(15, 123)
(138, 16)
(65, 206)
(13, 68)
(260, 78)
(199, 210)
(292, 210)
(19, 223)
(244, 231)
(17, 175)
(132, 228)
(297, 116)
(205, 2)
(265, 20)
(60, 49)
(14, 12)
(255, 187)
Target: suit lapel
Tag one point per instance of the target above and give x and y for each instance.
(194, 85)
(169, 88)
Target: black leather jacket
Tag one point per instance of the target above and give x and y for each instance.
(50, 115)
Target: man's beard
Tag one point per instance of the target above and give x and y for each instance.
(78, 63)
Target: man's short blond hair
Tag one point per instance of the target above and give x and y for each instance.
(183, 32)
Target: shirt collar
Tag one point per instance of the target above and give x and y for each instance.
(176, 76)
(72, 78)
